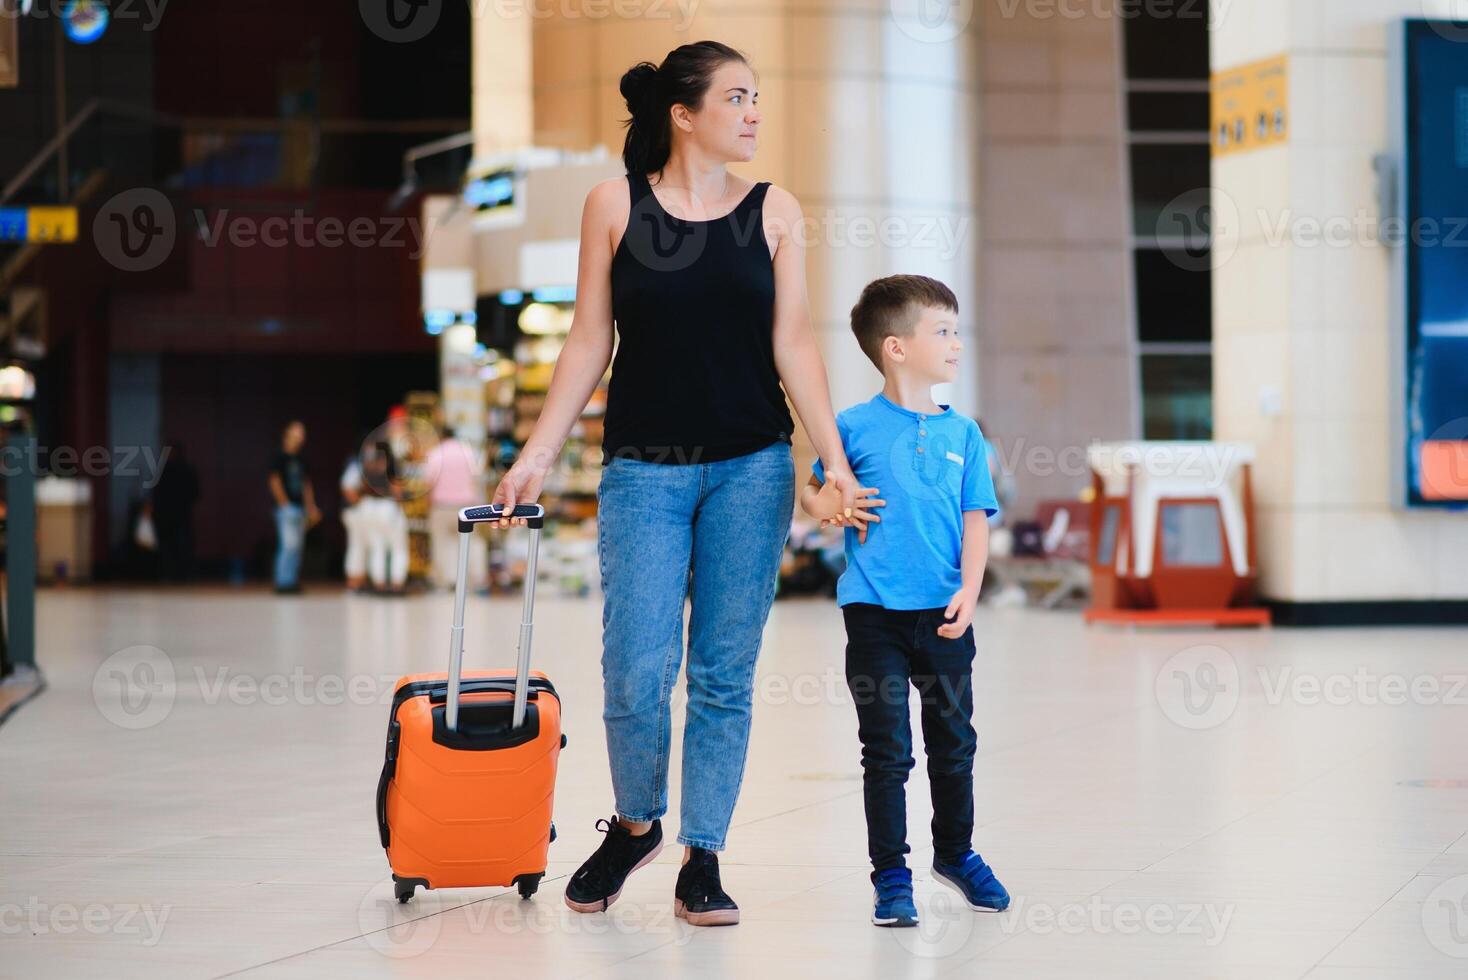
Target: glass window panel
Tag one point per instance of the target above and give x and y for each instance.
(1177, 396)
(1165, 40)
(1161, 174)
(1174, 295)
(1168, 112)
(1191, 536)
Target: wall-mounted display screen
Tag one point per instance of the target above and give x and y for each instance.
(1434, 354)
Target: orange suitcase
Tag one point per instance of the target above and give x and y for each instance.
(465, 795)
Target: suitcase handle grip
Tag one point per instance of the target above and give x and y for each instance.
(533, 515)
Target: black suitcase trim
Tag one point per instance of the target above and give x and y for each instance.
(389, 769)
(486, 727)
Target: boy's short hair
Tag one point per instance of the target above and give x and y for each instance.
(889, 307)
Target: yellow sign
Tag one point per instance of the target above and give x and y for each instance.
(1251, 106)
(51, 225)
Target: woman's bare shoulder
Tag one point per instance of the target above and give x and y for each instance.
(782, 215)
(780, 197)
(608, 196)
(782, 203)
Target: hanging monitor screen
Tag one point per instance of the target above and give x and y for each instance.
(491, 192)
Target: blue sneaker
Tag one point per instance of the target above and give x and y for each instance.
(893, 904)
(975, 883)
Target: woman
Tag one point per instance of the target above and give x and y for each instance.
(706, 284)
(379, 517)
(456, 481)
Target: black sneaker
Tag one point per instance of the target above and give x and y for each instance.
(598, 882)
(698, 896)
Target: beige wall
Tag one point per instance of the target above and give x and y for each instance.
(1058, 365)
(872, 125)
(1311, 321)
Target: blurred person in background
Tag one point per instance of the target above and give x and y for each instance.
(174, 497)
(140, 548)
(356, 557)
(457, 482)
(295, 506)
(380, 518)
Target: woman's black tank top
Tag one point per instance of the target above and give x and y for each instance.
(694, 379)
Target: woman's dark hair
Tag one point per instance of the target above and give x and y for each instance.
(651, 90)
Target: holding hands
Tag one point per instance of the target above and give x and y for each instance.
(826, 503)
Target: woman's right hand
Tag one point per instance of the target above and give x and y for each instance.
(521, 485)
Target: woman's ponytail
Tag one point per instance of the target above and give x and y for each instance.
(646, 147)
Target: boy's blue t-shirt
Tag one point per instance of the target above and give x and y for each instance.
(929, 469)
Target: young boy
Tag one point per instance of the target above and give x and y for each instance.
(910, 586)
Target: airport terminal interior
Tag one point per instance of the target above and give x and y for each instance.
(289, 294)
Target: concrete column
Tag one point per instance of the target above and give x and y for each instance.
(1301, 325)
(502, 78)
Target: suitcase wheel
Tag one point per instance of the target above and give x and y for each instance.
(403, 888)
(529, 884)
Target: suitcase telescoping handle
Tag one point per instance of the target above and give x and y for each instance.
(534, 516)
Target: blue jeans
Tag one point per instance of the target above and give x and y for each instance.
(712, 533)
(290, 529)
(886, 650)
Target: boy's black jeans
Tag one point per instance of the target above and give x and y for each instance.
(885, 651)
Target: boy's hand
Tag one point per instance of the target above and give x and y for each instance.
(961, 611)
(826, 503)
(861, 514)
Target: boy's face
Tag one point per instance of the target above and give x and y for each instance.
(931, 353)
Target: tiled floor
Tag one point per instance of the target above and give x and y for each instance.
(193, 797)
